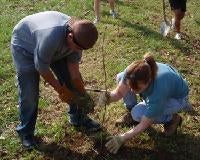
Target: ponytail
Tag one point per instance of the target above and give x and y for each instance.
(149, 59)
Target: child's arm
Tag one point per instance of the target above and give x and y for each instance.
(119, 92)
(115, 142)
(143, 125)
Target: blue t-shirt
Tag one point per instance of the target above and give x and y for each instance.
(43, 36)
(167, 84)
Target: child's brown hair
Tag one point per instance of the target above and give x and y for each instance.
(141, 71)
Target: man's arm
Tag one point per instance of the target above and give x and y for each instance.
(76, 77)
(84, 101)
(64, 93)
(49, 78)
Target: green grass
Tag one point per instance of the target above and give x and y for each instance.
(127, 38)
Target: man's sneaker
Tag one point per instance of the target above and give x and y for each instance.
(96, 20)
(171, 127)
(28, 141)
(177, 36)
(87, 123)
(126, 120)
(113, 14)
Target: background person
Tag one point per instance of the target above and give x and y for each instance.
(179, 9)
(97, 10)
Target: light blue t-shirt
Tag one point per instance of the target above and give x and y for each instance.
(43, 36)
(167, 84)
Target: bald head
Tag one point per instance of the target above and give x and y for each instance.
(85, 33)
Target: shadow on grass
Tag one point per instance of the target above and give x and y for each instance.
(145, 31)
(56, 151)
(179, 146)
(98, 152)
(185, 45)
(197, 22)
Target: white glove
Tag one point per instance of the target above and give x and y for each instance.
(104, 98)
(114, 143)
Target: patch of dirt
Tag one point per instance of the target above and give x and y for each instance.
(196, 44)
(193, 43)
(3, 153)
(82, 145)
(55, 108)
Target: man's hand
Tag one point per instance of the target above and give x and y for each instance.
(114, 143)
(104, 98)
(65, 94)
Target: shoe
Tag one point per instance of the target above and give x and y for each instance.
(113, 14)
(28, 141)
(126, 120)
(87, 123)
(171, 127)
(177, 36)
(96, 20)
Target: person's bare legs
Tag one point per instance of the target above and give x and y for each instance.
(177, 25)
(112, 4)
(112, 8)
(97, 10)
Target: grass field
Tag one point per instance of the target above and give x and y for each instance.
(135, 32)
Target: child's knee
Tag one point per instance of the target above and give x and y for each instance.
(137, 112)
